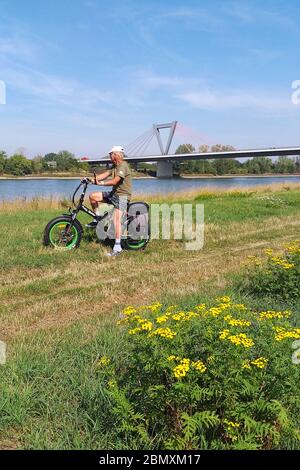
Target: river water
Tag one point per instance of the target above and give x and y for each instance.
(30, 188)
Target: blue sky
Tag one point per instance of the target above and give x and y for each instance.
(83, 75)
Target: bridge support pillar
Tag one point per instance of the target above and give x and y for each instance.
(164, 169)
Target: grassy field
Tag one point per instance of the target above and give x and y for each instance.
(58, 308)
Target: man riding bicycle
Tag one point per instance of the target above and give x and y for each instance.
(119, 196)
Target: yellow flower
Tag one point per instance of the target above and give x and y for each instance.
(200, 307)
(199, 366)
(182, 368)
(189, 315)
(282, 263)
(112, 383)
(260, 363)
(178, 316)
(147, 326)
(270, 314)
(163, 332)
(294, 247)
(224, 334)
(282, 333)
(225, 299)
(162, 319)
(129, 310)
(246, 364)
(103, 361)
(240, 307)
(231, 425)
(236, 322)
(240, 339)
(171, 358)
(154, 307)
(215, 311)
(134, 331)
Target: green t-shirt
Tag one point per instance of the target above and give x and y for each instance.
(125, 185)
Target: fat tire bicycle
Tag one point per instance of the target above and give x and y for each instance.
(65, 231)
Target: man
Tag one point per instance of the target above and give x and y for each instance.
(119, 196)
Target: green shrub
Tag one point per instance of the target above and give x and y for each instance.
(216, 377)
(278, 277)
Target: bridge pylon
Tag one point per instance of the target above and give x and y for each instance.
(164, 169)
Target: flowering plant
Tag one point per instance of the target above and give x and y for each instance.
(217, 376)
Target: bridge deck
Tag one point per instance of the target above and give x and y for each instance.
(269, 152)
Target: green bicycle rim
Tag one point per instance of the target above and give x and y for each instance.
(68, 246)
(137, 246)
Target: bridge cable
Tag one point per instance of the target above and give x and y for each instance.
(134, 149)
(144, 145)
(132, 145)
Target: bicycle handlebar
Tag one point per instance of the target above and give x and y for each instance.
(85, 181)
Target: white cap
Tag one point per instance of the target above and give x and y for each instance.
(116, 148)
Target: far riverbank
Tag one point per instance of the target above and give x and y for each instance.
(189, 176)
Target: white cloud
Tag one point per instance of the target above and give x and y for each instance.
(226, 100)
(152, 80)
(54, 89)
(259, 15)
(17, 48)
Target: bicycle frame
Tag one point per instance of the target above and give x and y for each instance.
(80, 206)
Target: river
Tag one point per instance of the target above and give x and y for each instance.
(61, 187)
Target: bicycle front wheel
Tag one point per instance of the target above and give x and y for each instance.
(62, 233)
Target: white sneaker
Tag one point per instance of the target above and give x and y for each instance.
(114, 253)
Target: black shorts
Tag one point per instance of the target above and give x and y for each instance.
(119, 201)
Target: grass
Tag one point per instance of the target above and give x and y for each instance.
(57, 308)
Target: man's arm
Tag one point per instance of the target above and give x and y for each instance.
(111, 182)
(102, 176)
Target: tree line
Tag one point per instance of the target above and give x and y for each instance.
(64, 162)
(18, 165)
(256, 166)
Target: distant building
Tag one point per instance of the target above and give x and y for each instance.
(51, 164)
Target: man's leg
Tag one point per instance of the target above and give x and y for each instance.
(117, 217)
(95, 199)
(118, 229)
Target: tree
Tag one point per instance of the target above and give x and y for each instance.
(185, 148)
(284, 165)
(204, 148)
(259, 165)
(50, 157)
(186, 166)
(66, 161)
(38, 164)
(3, 158)
(222, 148)
(18, 165)
(224, 166)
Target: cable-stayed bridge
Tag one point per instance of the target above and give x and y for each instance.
(135, 152)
